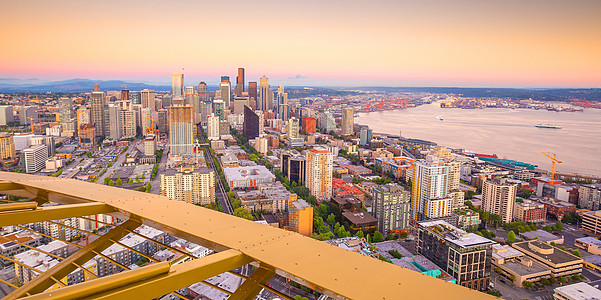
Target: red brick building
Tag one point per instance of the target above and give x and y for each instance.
(309, 125)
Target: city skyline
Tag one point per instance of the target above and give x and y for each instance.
(433, 43)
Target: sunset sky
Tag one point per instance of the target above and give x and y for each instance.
(345, 43)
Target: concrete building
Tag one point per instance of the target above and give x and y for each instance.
(590, 244)
(181, 130)
(34, 158)
(55, 130)
(265, 101)
(6, 115)
(293, 130)
(589, 196)
(247, 177)
(348, 120)
(26, 113)
(515, 264)
(319, 173)
(577, 291)
(365, 136)
(561, 263)
(391, 207)
(97, 112)
(191, 185)
(327, 121)
(591, 222)
(294, 166)
(253, 123)
(9, 248)
(465, 256)
(44, 140)
(177, 85)
(498, 197)
(150, 145)
(430, 196)
(65, 114)
(7, 146)
(300, 217)
(467, 219)
(213, 127)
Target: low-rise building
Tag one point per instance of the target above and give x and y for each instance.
(34, 158)
(543, 236)
(467, 219)
(529, 211)
(247, 177)
(590, 244)
(558, 208)
(9, 248)
(577, 291)
(560, 262)
(300, 217)
(514, 265)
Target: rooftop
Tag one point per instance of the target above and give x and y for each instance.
(545, 252)
(590, 241)
(455, 235)
(524, 269)
(359, 218)
(541, 234)
(247, 173)
(579, 291)
(504, 252)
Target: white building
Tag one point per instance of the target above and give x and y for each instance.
(577, 291)
(195, 186)
(498, 197)
(213, 127)
(34, 158)
(293, 128)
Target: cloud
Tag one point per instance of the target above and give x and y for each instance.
(297, 77)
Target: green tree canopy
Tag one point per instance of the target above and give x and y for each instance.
(130, 181)
(510, 237)
(378, 237)
(241, 212)
(119, 181)
(111, 182)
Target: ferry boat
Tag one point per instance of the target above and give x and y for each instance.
(548, 126)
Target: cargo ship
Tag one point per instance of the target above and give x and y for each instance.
(548, 126)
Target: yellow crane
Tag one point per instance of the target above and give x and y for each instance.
(30, 118)
(553, 160)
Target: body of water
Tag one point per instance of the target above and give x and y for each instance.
(509, 133)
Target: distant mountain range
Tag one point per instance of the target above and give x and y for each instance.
(34, 85)
(13, 85)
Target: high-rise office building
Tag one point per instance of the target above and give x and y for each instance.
(319, 173)
(97, 107)
(163, 121)
(114, 122)
(365, 136)
(34, 158)
(196, 186)
(181, 133)
(251, 128)
(265, 102)
(498, 197)
(96, 88)
(125, 94)
(189, 95)
(128, 119)
(177, 85)
(203, 92)
(430, 196)
(213, 127)
(147, 98)
(392, 208)
(293, 166)
(282, 109)
(7, 146)
(219, 108)
(240, 82)
(27, 113)
(65, 114)
(238, 104)
(252, 95)
(293, 130)
(226, 93)
(135, 97)
(348, 120)
(146, 121)
(44, 140)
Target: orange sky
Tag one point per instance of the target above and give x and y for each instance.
(394, 43)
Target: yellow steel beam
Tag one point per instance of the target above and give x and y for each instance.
(53, 213)
(252, 286)
(18, 206)
(179, 276)
(318, 265)
(107, 283)
(62, 269)
(10, 186)
(16, 262)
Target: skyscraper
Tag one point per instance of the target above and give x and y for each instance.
(125, 94)
(96, 88)
(264, 99)
(251, 125)
(203, 93)
(293, 128)
(252, 94)
(189, 95)
(177, 84)
(226, 93)
(65, 112)
(282, 109)
(213, 127)
(147, 99)
(240, 82)
(365, 136)
(498, 197)
(115, 122)
(348, 120)
(97, 112)
(319, 173)
(181, 133)
(218, 109)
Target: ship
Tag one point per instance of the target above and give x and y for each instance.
(548, 126)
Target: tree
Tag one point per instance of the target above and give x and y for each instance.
(575, 277)
(331, 219)
(130, 181)
(322, 209)
(119, 181)
(547, 228)
(148, 187)
(562, 279)
(241, 212)
(527, 284)
(545, 281)
(111, 182)
(558, 226)
(563, 248)
(359, 234)
(568, 219)
(510, 237)
(553, 244)
(106, 180)
(378, 237)
(404, 235)
(576, 253)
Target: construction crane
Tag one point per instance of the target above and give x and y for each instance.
(554, 160)
(30, 118)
